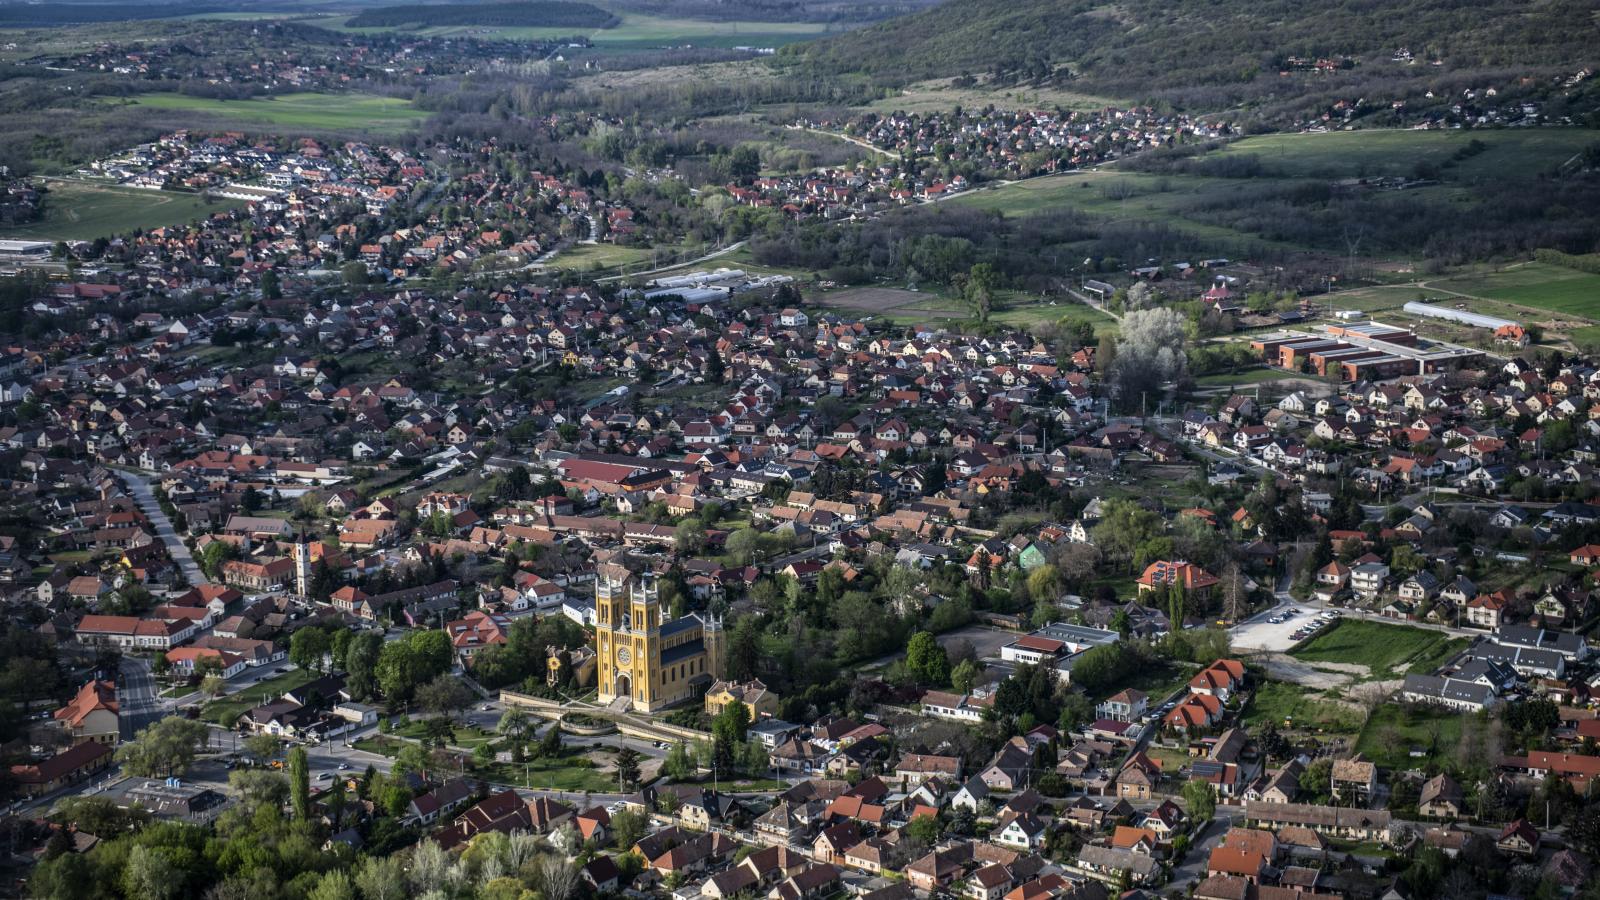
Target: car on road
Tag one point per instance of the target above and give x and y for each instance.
(488, 707)
(344, 767)
(325, 776)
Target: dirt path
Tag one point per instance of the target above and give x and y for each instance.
(1322, 676)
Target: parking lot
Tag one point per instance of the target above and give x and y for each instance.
(1261, 633)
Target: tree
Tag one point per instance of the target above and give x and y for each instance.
(261, 747)
(979, 290)
(213, 556)
(514, 723)
(558, 879)
(965, 676)
(1201, 800)
(213, 685)
(444, 695)
(678, 766)
(360, 664)
(627, 827)
(926, 660)
(1149, 352)
(149, 873)
(163, 749)
(925, 829)
(300, 784)
(627, 768)
(727, 734)
(309, 647)
(334, 885)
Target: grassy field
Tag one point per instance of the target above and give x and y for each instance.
(599, 256)
(636, 32)
(1537, 285)
(319, 112)
(1190, 203)
(1381, 647)
(1293, 706)
(1395, 728)
(1248, 376)
(1511, 154)
(1123, 197)
(79, 211)
(227, 710)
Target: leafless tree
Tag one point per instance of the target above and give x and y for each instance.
(558, 879)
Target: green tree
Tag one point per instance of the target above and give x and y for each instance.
(163, 749)
(361, 663)
(925, 829)
(927, 662)
(627, 827)
(309, 648)
(1200, 799)
(727, 735)
(678, 766)
(627, 768)
(979, 290)
(300, 784)
(965, 676)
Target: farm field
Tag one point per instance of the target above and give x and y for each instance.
(325, 112)
(1383, 648)
(1535, 285)
(81, 211)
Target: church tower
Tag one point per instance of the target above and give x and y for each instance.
(302, 567)
(715, 647)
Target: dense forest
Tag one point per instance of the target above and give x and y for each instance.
(543, 14)
(1140, 46)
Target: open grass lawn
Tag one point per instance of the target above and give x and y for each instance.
(320, 112)
(1290, 705)
(1248, 376)
(600, 256)
(1395, 728)
(1383, 648)
(227, 710)
(1537, 285)
(467, 736)
(80, 211)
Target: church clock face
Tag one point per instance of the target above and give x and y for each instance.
(624, 656)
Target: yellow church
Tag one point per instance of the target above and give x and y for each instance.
(646, 662)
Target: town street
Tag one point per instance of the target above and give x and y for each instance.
(145, 497)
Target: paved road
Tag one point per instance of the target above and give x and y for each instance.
(136, 696)
(145, 497)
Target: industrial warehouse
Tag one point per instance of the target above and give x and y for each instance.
(1365, 350)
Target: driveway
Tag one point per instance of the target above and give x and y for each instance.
(145, 497)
